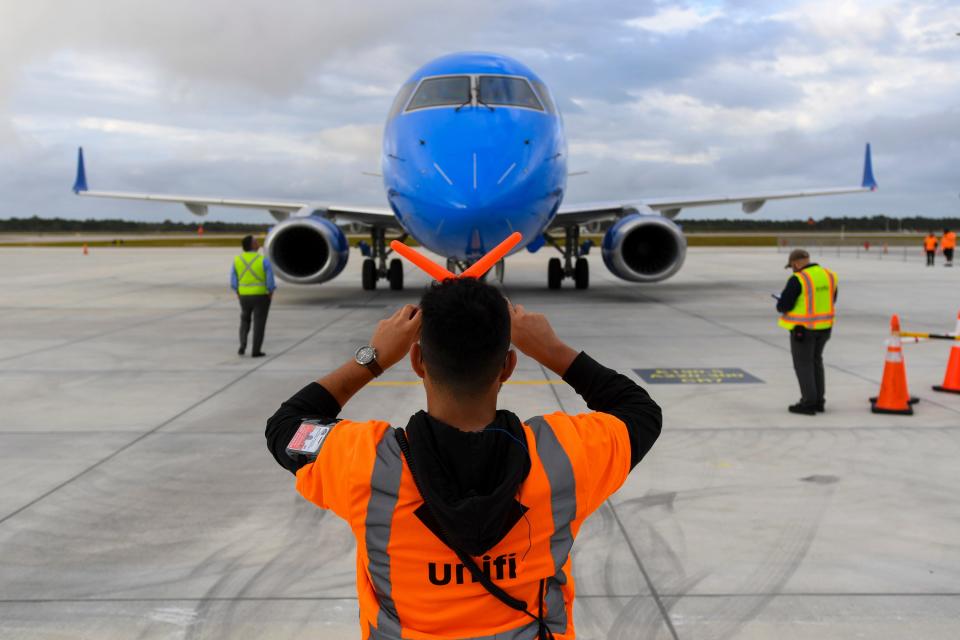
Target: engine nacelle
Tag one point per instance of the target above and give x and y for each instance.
(644, 248)
(307, 250)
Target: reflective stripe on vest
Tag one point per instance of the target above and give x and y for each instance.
(385, 488)
(526, 632)
(814, 308)
(563, 501)
(251, 276)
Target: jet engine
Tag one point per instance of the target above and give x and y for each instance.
(307, 250)
(644, 248)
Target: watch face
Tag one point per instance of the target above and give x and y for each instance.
(366, 355)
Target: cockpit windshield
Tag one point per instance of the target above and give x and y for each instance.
(455, 91)
(505, 90)
(438, 92)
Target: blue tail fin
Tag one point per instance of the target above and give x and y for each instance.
(869, 182)
(80, 184)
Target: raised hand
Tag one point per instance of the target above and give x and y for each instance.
(532, 334)
(394, 335)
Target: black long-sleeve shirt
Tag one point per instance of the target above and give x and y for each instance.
(601, 388)
(790, 293)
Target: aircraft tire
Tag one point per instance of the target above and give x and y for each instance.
(369, 275)
(395, 275)
(554, 273)
(581, 273)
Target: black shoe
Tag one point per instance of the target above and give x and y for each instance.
(801, 408)
(241, 351)
(821, 407)
(258, 354)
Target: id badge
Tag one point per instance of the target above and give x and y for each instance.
(308, 439)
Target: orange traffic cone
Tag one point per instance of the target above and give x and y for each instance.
(85, 250)
(951, 379)
(894, 397)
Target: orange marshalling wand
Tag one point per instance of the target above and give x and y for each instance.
(476, 270)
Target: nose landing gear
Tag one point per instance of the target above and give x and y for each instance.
(459, 266)
(375, 267)
(574, 264)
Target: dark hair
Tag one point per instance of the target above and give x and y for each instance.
(465, 334)
(247, 243)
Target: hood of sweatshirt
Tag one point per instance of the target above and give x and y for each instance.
(471, 479)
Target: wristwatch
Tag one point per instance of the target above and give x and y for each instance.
(366, 356)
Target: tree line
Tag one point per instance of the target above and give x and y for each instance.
(48, 225)
(866, 223)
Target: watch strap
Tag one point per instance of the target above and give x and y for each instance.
(374, 367)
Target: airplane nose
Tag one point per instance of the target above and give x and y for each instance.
(478, 180)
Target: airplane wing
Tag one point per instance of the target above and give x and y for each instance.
(671, 207)
(279, 209)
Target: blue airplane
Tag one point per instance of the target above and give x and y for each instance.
(473, 150)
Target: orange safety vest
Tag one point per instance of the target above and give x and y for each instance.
(930, 243)
(410, 585)
(949, 240)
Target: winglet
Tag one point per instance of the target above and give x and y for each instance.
(80, 184)
(869, 182)
(476, 270)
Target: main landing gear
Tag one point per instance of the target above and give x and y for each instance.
(376, 267)
(574, 264)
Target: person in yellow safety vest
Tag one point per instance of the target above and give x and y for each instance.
(464, 520)
(251, 278)
(948, 243)
(807, 307)
(930, 246)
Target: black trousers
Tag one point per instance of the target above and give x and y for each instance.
(807, 350)
(930, 257)
(948, 254)
(258, 307)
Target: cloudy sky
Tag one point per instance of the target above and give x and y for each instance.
(286, 99)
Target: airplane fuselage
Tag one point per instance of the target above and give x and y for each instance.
(462, 178)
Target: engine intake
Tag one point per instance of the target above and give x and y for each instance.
(307, 250)
(644, 248)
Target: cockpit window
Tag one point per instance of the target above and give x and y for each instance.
(545, 96)
(514, 92)
(401, 100)
(437, 92)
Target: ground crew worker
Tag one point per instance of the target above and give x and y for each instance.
(807, 306)
(251, 278)
(464, 520)
(948, 243)
(930, 246)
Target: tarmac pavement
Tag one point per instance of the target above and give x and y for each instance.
(137, 497)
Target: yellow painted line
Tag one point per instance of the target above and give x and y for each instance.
(416, 383)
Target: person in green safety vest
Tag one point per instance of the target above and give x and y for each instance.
(807, 307)
(251, 278)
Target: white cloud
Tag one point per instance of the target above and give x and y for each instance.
(674, 20)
